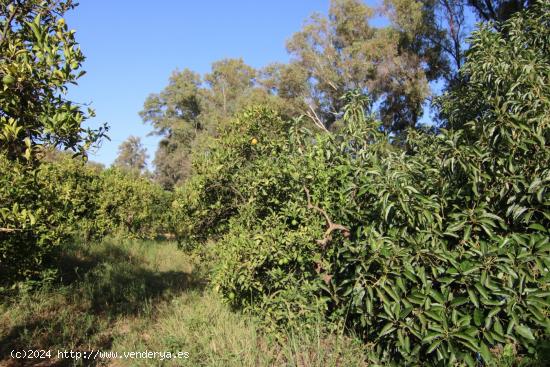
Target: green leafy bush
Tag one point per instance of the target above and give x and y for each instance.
(436, 254)
(72, 187)
(40, 58)
(131, 205)
(46, 207)
(37, 215)
(100, 202)
(42, 208)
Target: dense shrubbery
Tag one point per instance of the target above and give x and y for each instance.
(39, 59)
(72, 187)
(112, 201)
(131, 205)
(46, 207)
(435, 254)
(31, 227)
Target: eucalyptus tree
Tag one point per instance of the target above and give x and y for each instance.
(344, 52)
(132, 156)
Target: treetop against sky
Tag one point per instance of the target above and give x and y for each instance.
(132, 47)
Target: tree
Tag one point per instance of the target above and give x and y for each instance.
(498, 10)
(39, 57)
(191, 107)
(289, 83)
(447, 33)
(392, 64)
(227, 82)
(132, 155)
(175, 114)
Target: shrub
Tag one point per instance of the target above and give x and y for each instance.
(73, 186)
(131, 205)
(46, 207)
(33, 223)
(437, 254)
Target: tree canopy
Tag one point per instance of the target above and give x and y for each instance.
(132, 156)
(39, 58)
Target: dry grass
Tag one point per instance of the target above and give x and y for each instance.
(141, 296)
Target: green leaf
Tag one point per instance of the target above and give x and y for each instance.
(538, 227)
(478, 316)
(524, 331)
(434, 345)
(388, 328)
(473, 297)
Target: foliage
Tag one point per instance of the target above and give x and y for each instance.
(44, 201)
(345, 51)
(132, 156)
(438, 254)
(41, 209)
(25, 220)
(97, 202)
(72, 187)
(39, 58)
(206, 201)
(192, 107)
(396, 64)
(498, 10)
(47, 207)
(131, 206)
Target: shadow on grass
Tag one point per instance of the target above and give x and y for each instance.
(95, 289)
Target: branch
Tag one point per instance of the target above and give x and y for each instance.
(230, 187)
(10, 230)
(330, 225)
(7, 27)
(316, 120)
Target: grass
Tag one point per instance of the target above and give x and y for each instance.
(125, 296)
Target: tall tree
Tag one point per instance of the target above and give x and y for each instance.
(227, 82)
(175, 114)
(344, 52)
(132, 156)
(447, 32)
(498, 10)
(191, 107)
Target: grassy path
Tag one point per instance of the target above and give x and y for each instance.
(139, 296)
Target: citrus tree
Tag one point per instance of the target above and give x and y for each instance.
(39, 59)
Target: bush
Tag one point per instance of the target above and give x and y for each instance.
(34, 222)
(131, 206)
(34, 115)
(437, 254)
(46, 207)
(73, 187)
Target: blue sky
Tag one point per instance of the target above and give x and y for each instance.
(133, 46)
